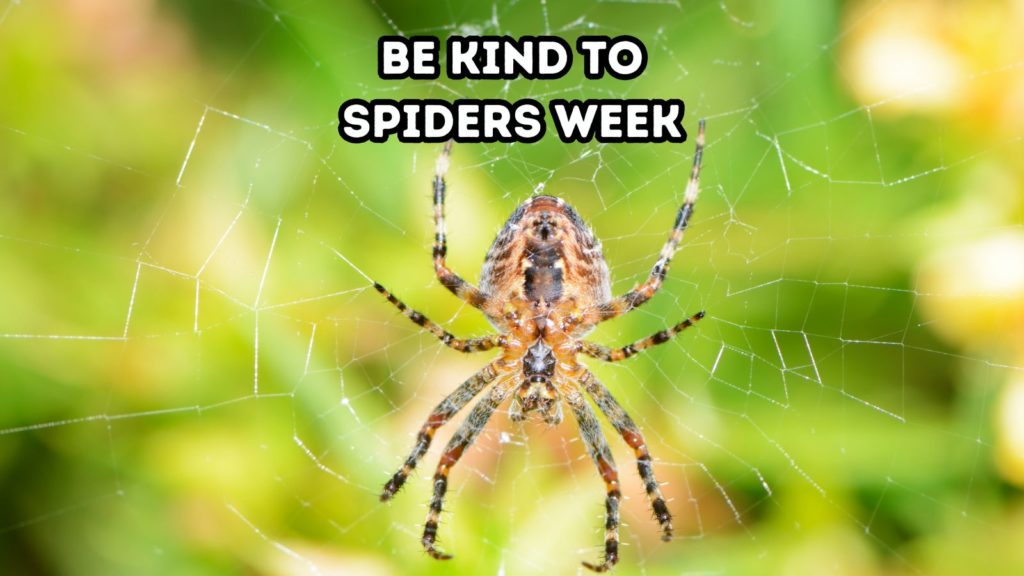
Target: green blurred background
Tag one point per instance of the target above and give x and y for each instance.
(196, 379)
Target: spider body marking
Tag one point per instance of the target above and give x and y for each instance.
(544, 286)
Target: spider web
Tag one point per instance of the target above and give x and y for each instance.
(200, 377)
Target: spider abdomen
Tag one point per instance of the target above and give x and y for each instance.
(546, 252)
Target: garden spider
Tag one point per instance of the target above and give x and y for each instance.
(544, 285)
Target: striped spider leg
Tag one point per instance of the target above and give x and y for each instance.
(645, 291)
(463, 438)
(599, 451)
(450, 280)
(438, 417)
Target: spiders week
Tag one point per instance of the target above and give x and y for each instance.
(544, 286)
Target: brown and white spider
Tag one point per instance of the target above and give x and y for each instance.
(544, 286)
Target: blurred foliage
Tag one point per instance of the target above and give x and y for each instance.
(195, 378)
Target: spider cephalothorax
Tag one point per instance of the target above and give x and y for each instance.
(537, 392)
(544, 286)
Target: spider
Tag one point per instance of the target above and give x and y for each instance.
(544, 286)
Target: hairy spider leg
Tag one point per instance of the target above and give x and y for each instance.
(625, 426)
(450, 280)
(597, 448)
(649, 288)
(462, 345)
(463, 437)
(660, 337)
(440, 415)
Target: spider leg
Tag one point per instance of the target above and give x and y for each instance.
(614, 355)
(462, 345)
(645, 291)
(438, 417)
(450, 280)
(462, 439)
(597, 448)
(625, 426)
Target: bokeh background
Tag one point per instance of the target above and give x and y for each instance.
(195, 377)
